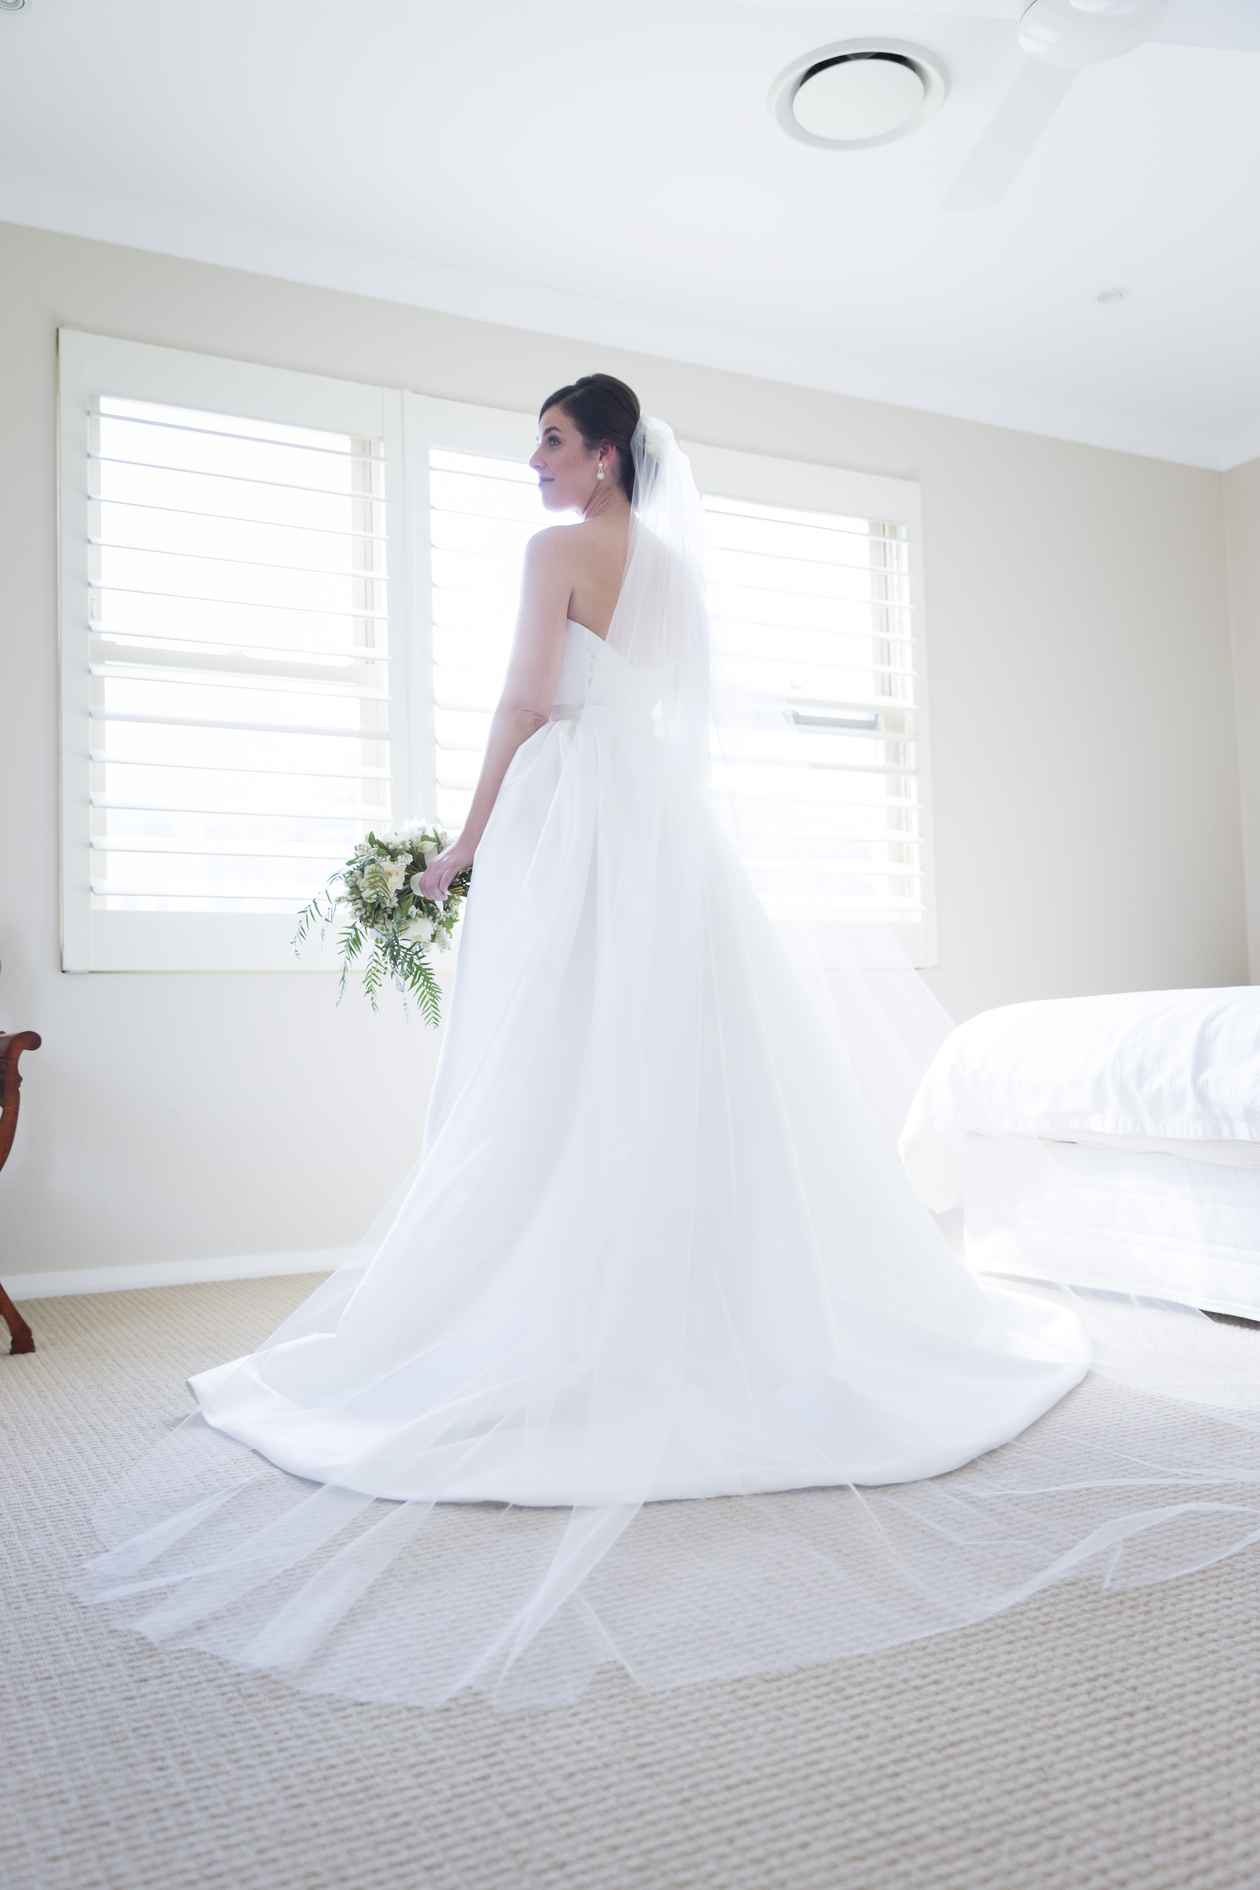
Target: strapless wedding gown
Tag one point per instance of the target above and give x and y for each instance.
(620, 1274)
(479, 1307)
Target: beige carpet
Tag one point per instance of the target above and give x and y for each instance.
(1084, 1742)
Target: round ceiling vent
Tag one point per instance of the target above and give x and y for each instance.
(857, 93)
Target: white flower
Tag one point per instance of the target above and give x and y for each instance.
(395, 872)
(420, 928)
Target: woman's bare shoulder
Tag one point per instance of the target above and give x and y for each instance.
(551, 554)
(589, 557)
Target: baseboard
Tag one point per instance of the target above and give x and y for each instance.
(113, 1279)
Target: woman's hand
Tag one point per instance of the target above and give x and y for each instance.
(442, 868)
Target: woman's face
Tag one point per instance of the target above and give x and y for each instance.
(566, 468)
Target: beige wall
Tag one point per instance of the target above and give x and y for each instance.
(1085, 769)
(1242, 526)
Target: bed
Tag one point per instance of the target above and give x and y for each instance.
(1110, 1142)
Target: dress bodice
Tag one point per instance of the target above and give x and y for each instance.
(582, 650)
(594, 677)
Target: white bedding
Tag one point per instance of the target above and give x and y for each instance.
(1110, 1142)
(1179, 1067)
(1162, 1224)
(1225, 1154)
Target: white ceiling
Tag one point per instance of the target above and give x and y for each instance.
(616, 173)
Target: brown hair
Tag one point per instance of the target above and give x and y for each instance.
(602, 408)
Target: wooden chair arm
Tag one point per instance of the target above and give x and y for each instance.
(11, 1049)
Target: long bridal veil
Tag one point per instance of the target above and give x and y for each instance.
(655, 1360)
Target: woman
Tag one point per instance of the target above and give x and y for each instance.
(658, 1246)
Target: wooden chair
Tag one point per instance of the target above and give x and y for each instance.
(11, 1049)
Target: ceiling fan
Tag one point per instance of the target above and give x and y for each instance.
(1059, 39)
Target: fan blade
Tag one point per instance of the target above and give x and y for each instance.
(1220, 25)
(1019, 121)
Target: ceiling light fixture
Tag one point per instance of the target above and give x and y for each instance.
(856, 93)
(12, 6)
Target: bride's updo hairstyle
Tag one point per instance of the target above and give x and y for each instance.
(602, 408)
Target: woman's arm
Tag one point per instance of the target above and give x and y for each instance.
(528, 691)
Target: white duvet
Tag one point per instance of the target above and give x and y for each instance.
(1147, 1066)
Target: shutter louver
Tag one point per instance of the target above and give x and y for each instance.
(238, 724)
(815, 610)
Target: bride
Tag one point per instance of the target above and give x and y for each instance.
(658, 1247)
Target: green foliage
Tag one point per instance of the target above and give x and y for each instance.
(374, 908)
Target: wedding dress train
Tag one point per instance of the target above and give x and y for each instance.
(658, 1247)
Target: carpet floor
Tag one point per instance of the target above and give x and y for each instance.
(1082, 1742)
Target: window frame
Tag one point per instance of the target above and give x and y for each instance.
(90, 366)
(408, 423)
(729, 472)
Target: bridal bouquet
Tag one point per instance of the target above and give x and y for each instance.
(380, 904)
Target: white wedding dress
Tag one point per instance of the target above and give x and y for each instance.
(658, 1245)
(815, 1331)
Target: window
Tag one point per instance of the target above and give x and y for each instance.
(227, 599)
(817, 604)
(287, 604)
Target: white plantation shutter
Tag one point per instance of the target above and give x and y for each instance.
(819, 605)
(287, 604)
(228, 586)
(814, 589)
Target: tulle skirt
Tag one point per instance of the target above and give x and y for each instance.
(655, 1360)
